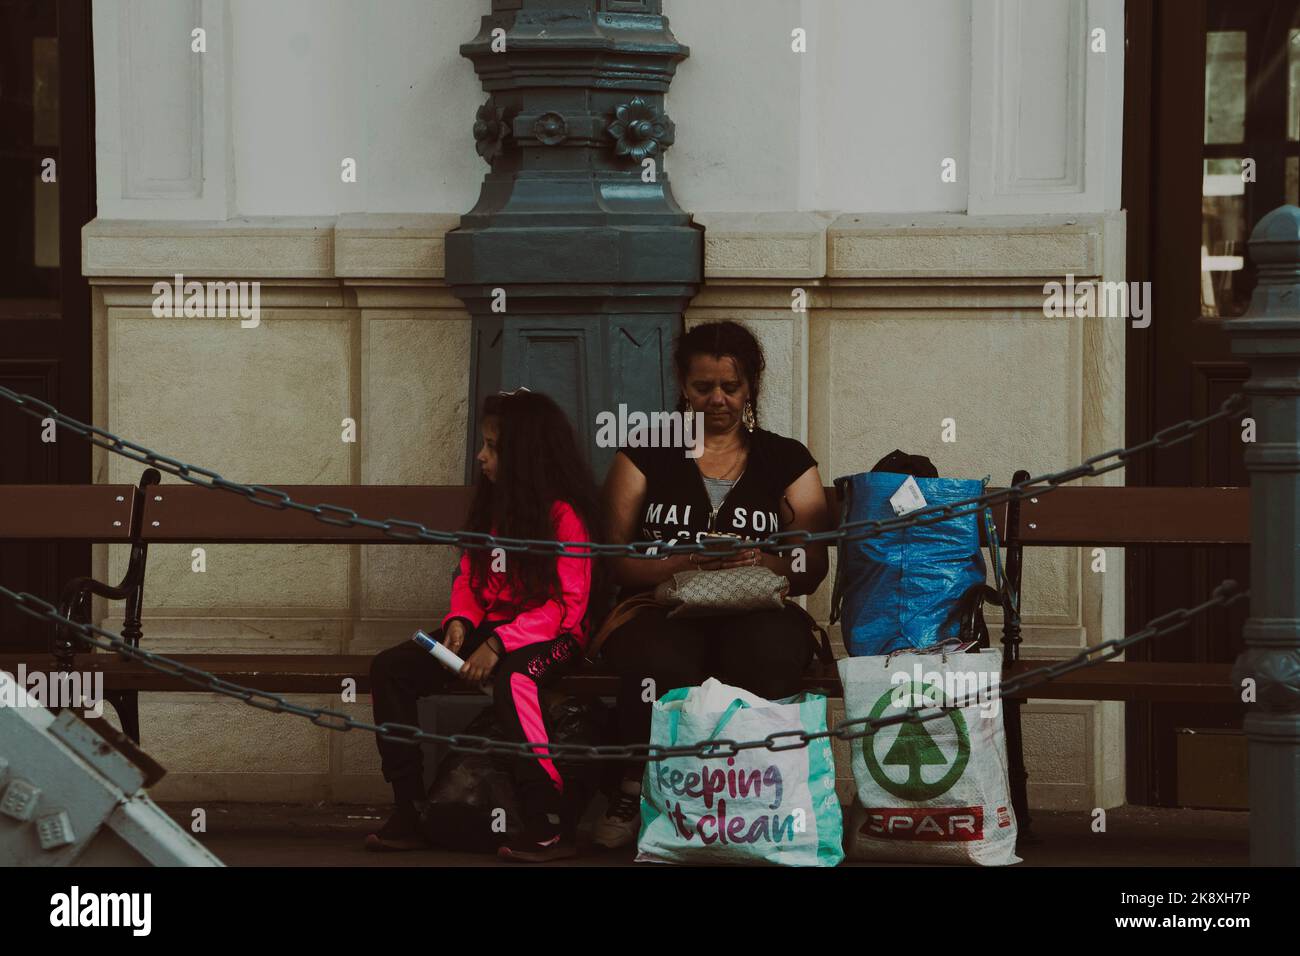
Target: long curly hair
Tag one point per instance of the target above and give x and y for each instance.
(538, 463)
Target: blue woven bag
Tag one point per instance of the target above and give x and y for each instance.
(913, 587)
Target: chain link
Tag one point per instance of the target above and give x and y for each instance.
(778, 541)
(1225, 595)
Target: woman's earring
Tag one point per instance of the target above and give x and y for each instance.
(683, 405)
(747, 417)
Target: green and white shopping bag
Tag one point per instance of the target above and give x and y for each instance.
(933, 791)
(759, 806)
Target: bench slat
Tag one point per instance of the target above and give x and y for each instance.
(190, 514)
(65, 512)
(1116, 516)
(323, 674)
(1139, 681)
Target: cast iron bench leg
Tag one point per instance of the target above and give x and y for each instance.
(127, 705)
(74, 604)
(1018, 777)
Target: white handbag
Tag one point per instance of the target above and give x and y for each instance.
(725, 591)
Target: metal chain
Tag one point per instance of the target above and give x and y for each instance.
(778, 541)
(1225, 595)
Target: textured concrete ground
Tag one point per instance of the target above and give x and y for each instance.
(243, 834)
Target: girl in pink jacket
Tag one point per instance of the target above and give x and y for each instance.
(518, 620)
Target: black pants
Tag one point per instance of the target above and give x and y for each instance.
(403, 674)
(764, 652)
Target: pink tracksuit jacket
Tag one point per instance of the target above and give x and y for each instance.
(495, 602)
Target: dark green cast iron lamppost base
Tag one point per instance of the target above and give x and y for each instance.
(1268, 338)
(576, 263)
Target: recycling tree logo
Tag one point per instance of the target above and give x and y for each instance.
(914, 748)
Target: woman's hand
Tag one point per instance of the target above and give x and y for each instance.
(744, 558)
(480, 665)
(453, 636)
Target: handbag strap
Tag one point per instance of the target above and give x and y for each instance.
(1006, 597)
(845, 488)
(623, 612)
(969, 610)
(1009, 598)
(995, 548)
(821, 641)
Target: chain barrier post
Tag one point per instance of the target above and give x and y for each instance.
(1268, 338)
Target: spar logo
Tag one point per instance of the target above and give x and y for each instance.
(905, 760)
(940, 824)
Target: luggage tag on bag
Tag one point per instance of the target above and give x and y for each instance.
(907, 498)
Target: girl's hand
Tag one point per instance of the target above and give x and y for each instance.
(480, 665)
(453, 636)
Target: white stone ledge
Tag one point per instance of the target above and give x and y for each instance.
(952, 245)
(378, 246)
(764, 244)
(392, 245)
(917, 249)
(289, 247)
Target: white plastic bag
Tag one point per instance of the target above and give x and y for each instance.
(932, 792)
(760, 806)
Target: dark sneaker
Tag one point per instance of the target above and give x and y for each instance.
(538, 847)
(401, 832)
(622, 820)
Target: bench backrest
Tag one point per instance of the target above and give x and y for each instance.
(182, 513)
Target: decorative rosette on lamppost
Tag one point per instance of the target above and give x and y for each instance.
(490, 131)
(641, 129)
(551, 129)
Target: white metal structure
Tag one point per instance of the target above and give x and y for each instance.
(69, 798)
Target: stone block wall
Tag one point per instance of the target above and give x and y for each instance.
(910, 320)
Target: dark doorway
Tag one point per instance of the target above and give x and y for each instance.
(46, 114)
(1212, 144)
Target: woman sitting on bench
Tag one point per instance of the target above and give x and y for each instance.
(522, 625)
(749, 483)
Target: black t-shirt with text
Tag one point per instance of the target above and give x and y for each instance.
(677, 502)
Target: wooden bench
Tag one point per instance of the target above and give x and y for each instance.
(187, 514)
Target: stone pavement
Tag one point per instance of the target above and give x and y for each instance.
(244, 834)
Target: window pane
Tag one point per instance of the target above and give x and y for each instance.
(45, 91)
(45, 217)
(1225, 287)
(45, 133)
(29, 140)
(1293, 85)
(29, 135)
(1225, 86)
